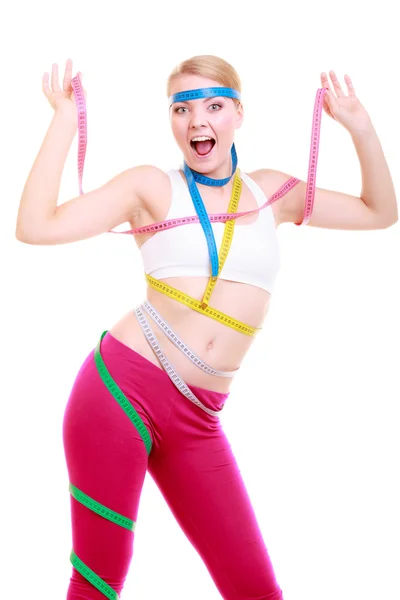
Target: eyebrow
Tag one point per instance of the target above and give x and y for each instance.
(204, 100)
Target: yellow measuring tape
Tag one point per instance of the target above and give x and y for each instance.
(228, 236)
(203, 306)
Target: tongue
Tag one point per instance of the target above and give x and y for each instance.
(204, 147)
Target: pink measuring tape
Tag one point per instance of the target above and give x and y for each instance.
(220, 217)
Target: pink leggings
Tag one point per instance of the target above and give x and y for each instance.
(125, 417)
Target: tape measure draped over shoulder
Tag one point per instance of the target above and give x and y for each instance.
(202, 217)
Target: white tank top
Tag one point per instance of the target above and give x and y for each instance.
(253, 257)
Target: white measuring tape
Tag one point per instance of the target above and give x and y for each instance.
(149, 308)
(168, 368)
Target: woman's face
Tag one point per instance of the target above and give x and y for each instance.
(217, 118)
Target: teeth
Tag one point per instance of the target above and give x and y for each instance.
(202, 138)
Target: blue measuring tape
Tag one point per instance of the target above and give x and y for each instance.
(210, 92)
(193, 176)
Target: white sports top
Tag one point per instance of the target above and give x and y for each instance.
(253, 257)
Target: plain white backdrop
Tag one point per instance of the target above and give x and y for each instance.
(313, 415)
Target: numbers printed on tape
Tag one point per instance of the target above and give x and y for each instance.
(196, 305)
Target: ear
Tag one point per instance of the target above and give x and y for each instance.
(240, 115)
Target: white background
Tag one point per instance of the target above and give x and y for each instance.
(313, 415)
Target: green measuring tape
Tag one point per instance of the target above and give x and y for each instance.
(91, 503)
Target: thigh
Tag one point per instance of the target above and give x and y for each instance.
(200, 480)
(107, 461)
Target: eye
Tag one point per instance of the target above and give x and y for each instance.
(179, 109)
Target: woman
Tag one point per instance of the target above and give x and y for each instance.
(148, 396)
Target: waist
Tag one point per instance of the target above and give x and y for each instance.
(243, 302)
(221, 347)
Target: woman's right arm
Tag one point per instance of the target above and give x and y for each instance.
(40, 220)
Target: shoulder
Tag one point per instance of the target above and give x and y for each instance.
(149, 185)
(270, 181)
(145, 178)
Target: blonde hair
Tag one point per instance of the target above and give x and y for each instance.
(209, 66)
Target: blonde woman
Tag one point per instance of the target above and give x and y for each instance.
(148, 396)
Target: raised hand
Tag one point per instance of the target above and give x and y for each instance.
(346, 110)
(60, 98)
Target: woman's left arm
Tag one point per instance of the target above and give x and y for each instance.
(376, 208)
(377, 186)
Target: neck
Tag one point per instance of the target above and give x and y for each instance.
(221, 171)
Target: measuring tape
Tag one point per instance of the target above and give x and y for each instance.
(197, 306)
(192, 177)
(312, 168)
(214, 217)
(217, 263)
(202, 215)
(169, 369)
(173, 337)
(225, 246)
(227, 237)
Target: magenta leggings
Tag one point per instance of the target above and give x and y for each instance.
(109, 448)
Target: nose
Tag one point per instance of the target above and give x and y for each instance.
(198, 117)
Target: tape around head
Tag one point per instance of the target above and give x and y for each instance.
(210, 92)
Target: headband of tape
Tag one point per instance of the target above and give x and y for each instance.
(211, 92)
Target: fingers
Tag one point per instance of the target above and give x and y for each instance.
(349, 85)
(324, 80)
(45, 84)
(335, 81)
(325, 84)
(55, 86)
(336, 84)
(67, 76)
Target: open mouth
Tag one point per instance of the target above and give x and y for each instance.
(203, 148)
